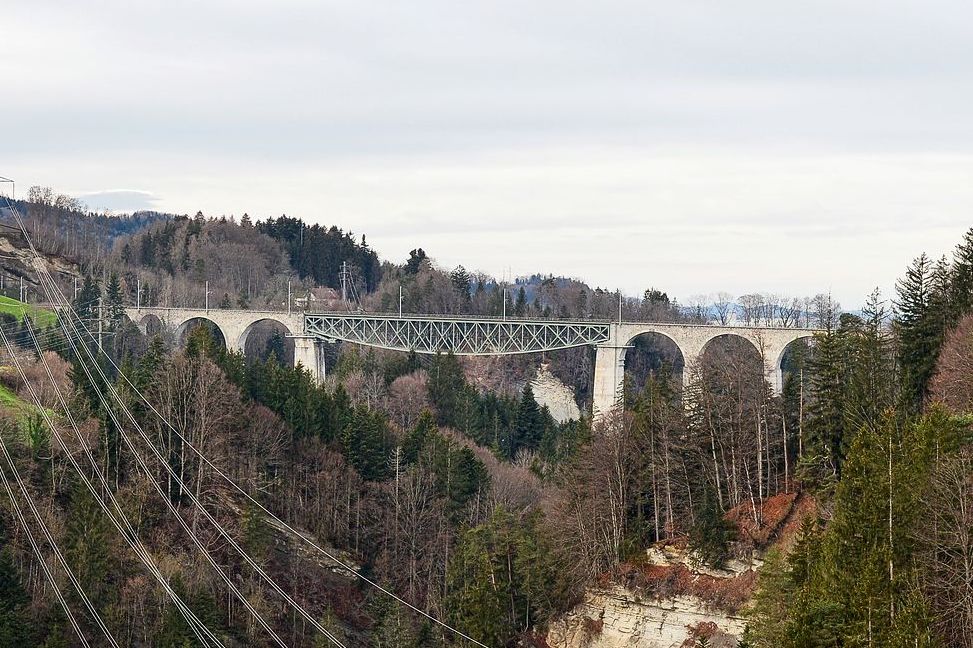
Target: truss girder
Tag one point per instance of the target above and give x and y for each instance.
(462, 337)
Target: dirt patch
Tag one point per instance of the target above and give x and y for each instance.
(780, 517)
(667, 581)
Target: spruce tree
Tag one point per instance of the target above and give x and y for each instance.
(918, 338)
(529, 428)
(961, 278)
(14, 620)
(826, 434)
(114, 306)
(711, 533)
(520, 306)
(446, 389)
(85, 304)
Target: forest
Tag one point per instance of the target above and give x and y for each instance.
(446, 482)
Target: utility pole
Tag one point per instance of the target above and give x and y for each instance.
(206, 298)
(504, 302)
(344, 281)
(400, 301)
(288, 296)
(75, 288)
(138, 294)
(619, 306)
(21, 289)
(100, 330)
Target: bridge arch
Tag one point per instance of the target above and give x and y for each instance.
(186, 327)
(650, 351)
(267, 326)
(151, 324)
(744, 340)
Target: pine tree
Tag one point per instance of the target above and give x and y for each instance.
(85, 304)
(529, 427)
(918, 339)
(825, 441)
(88, 546)
(961, 278)
(446, 386)
(14, 619)
(520, 307)
(150, 362)
(711, 533)
(114, 306)
(461, 281)
(872, 384)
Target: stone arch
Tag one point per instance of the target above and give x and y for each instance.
(151, 324)
(781, 352)
(778, 362)
(273, 323)
(755, 344)
(186, 326)
(745, 345)
(675, 351)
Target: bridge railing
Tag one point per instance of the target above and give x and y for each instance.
(470, 318)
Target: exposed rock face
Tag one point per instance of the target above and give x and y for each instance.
(617, 618)
(558, 397)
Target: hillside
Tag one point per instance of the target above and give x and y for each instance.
(705, 510)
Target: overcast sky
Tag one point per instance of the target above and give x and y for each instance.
(792, 147)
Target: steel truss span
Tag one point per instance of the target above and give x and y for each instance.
(461, 336)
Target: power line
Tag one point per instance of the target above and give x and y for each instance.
(50, 540)
(193, 499)
(52, 285)
(40, 558)
(128, 532)
(171, 507)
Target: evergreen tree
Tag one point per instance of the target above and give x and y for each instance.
(88, 546)
(961, 278)
(85, 304)
(529, 428)
(114, 306)
(447, 387)
(416, 257)
(872, 386)
(918, 337)
(367, 445)
(150, 362)
(520, 306)
(225, 302)
(461, 281)
(824, 446)
(711, 533)
(14, 619)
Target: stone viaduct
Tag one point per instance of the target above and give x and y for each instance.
(480, 336)
(235, 326)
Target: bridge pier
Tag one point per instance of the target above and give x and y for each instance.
(307, 353)
(609, 379)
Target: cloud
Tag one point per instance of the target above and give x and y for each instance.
(694, 146)
(119, 200)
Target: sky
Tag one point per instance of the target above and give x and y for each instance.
(784, 147)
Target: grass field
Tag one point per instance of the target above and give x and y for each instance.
(9, 399)
(42, 317)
